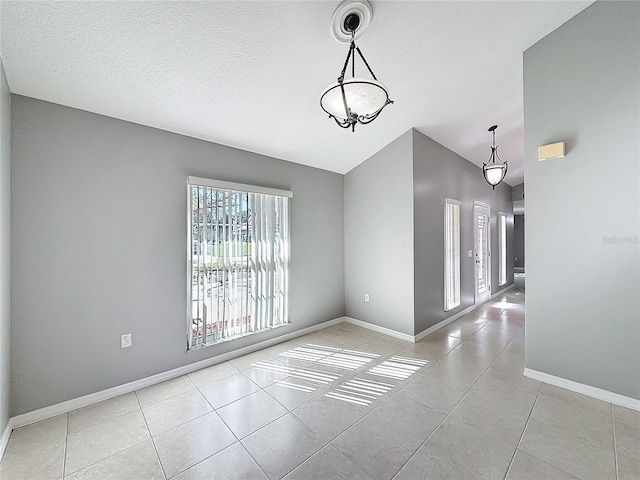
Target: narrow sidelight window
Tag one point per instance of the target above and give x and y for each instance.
(502, 247)
(238, 260)
(451, 253)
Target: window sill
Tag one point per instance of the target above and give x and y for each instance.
(237, 337)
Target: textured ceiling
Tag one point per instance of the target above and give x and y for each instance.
(249, 74)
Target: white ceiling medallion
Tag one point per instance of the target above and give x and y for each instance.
(361, 8)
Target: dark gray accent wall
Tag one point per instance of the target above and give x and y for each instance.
(98, 237)
(5, 240)
(518, 227)
(582, 86)
(438, 173)
(378, 215)
(517, 192)
(518, 241)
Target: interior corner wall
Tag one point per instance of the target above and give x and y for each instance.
(439, 173)
(5, 239)
(378, 216)
(99, 248)
(518, 192)
(582, 86)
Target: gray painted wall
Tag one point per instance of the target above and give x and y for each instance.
(378, 215)
(518, 241)
(438, 173)
(581, 86)
(517, 192)
(518, 228)
(5, 252)
(98, 239)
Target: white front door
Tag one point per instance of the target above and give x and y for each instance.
(482, 237)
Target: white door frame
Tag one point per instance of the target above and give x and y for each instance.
(480, 208)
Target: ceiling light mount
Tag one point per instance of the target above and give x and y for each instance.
(351, 22)
(351, 16)
(494, 172)
(353, 100)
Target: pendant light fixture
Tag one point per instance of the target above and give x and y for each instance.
(494, 172)
(356, 99)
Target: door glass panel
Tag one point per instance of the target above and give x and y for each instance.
(482, 253)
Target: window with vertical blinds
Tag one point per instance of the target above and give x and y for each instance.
(451, 253)
(502, 248)
(238, 260)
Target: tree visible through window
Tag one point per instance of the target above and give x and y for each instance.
(238, 260)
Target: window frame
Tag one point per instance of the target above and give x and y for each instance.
(239, 189)
(502, 248)
(452, 301)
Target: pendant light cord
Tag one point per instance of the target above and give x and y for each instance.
(493, 148)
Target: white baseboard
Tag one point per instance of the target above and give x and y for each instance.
(379, 329)
(504, 290)
(407, 337)
(443, 323)
(588, 390)
(73, 404)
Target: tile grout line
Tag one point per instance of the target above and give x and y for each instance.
(615, 447)
(292, 412)
(238, 440)
(454, 407)
(568, 432)
(389, 398)
(275, 399)
(344, 430)
(289, 411)
(164, 399)
(66, 438)
(101, 423)
(463, 397)
(339, 434)
(107, 457)
(150, 436)
(252, 457)
(523, 430)
(344, 380)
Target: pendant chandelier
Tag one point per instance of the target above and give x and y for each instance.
(494, 172)
(356, 99)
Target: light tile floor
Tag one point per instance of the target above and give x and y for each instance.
(346, 403)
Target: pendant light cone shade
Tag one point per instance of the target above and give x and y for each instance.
(494, 172)
(354, 100)
(365, 98)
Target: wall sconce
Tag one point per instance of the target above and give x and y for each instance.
(553, 150)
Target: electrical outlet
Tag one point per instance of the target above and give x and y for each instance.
(125, 340)
(366, 297)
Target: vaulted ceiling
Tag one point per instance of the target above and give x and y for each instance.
(249, 73)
